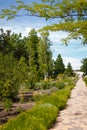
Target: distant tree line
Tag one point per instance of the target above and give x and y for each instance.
(26, 61)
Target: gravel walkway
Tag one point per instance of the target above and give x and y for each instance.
(74, 117)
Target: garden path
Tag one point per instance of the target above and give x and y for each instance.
(74, 117)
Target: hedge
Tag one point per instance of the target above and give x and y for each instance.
(43, 115)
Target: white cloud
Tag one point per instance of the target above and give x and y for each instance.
(18, 29)
(28, 29)
(82, 48)
(15, 29)
(75, 62)
(57, 36)
(6, 28)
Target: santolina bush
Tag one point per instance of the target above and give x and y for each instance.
(58, 98)
(47, 112)
(38, 118)
(43, 115)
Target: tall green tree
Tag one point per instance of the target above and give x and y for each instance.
(71, 15)
(13, 43)
(9, 76)
(59, 66)
(19, 46)
(32, 44)
(12, 63)
(84, 66)
(69, 70)
(12, 74)
(5, 44)
(45, 55)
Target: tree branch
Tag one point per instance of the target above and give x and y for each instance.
(49, 17)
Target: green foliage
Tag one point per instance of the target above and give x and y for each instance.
(5, 44)
(69, 70)
(84, 66)
(8, 90)
(71, 15)
(85, 79)
(44, 114)
(22, 99)
(19, 110)
(39, 118)
(32, 43)
(56, 99)
(46, 84)
(60, 85)
(10, 71)
(60, 97)
(59, 67)
(44, 55)
(8, 76)
(47, 112)
(37, 97)
(24, 122)
(22, 56)
(7, 103)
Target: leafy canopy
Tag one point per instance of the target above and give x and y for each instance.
(71, 15)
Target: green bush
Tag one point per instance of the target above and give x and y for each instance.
(7, 103)
(39, 118)
(24, 122)
(85, 79)
(60, 85)
(43, 115)
(47, 112)
(37, 97)
(9, 89)
(69, 81)
(45, 85)
(58, 98)
(55, 100)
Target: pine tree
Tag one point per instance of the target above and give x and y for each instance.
(32, 44)
(69, 70)
(59, 66)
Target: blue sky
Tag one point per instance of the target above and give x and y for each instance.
(72, 53)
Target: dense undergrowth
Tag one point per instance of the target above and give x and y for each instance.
(44, 113)
(85, 79)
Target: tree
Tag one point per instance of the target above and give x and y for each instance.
(12, 65)
(71, 15)
(9, 76)
(19, 46)
(5, 44)
(84, 66)
(12, 74)
(32, 44)
(59, 66)
(69, 70)
(12, 43)
(45, 55)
